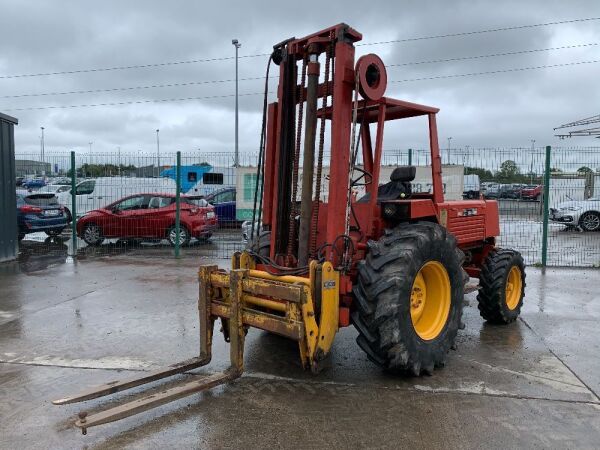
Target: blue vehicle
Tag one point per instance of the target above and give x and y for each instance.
(39, 212)
(202, 180)
(224, 202)
(33, 183)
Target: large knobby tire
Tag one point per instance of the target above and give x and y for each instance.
(501, 286)
(413, 269)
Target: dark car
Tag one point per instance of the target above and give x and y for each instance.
(224, 202)
(39, 212)
(503, 191)
(147, 216)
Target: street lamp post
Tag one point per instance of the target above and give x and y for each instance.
(531, 168)
(237, 45)
(90, 144)
(448, 161)
(42, 145)
(157, 154)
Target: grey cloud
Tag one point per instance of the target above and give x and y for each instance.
(490, 110)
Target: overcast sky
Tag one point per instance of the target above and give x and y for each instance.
(507, 109)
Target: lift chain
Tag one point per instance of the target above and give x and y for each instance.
(293, 211)
(315, 210)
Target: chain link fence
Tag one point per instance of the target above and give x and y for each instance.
(148, 204)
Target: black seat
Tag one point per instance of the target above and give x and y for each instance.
(398, 186)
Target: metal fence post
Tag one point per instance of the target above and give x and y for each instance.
(410, 156)
(177, 202)
(73, 205)
(545, 212)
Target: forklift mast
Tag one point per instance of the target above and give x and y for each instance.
(321, 223)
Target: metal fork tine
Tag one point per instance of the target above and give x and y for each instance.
(151, 401)
(117, 386)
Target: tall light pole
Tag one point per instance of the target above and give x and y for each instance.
(157, 154)
(42, 145)
(448, 161)
(90, 144)
(531, 168)
(119, 158)
(237, 45)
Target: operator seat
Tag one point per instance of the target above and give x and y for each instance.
(397, 188)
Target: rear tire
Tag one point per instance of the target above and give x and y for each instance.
(413, 267)
(501, 286)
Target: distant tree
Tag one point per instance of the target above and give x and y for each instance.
(584, 169)
(555, 170)
(509, 172)
(484, 174)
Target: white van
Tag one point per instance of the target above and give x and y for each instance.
(471, 187)
(99, 192)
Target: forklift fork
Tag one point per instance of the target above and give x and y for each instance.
(236, 335)
(242, 298)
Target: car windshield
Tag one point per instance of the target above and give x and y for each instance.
(196, 201)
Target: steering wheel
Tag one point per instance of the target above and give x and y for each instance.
(364, 174)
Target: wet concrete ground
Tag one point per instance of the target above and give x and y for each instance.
(65, 326)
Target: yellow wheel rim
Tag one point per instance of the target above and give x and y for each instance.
(514, 286)
(430, 300)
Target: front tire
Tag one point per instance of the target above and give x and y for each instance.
(184, 236)
(501, 286)
(590, 221)
(92, 234)
(409, 298)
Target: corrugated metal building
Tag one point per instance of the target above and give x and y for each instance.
(8, 201)
(24, 167)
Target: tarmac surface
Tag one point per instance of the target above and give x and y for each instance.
(66, 325)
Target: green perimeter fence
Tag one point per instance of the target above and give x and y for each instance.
(549, 200)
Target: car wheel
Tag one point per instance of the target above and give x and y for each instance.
(590, 221)
(54, 233)
(92, 234)
(184, 235)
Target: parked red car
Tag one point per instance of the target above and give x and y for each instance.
(531, 192)
(147, 216)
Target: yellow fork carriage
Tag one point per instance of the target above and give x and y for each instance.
(243, 298)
